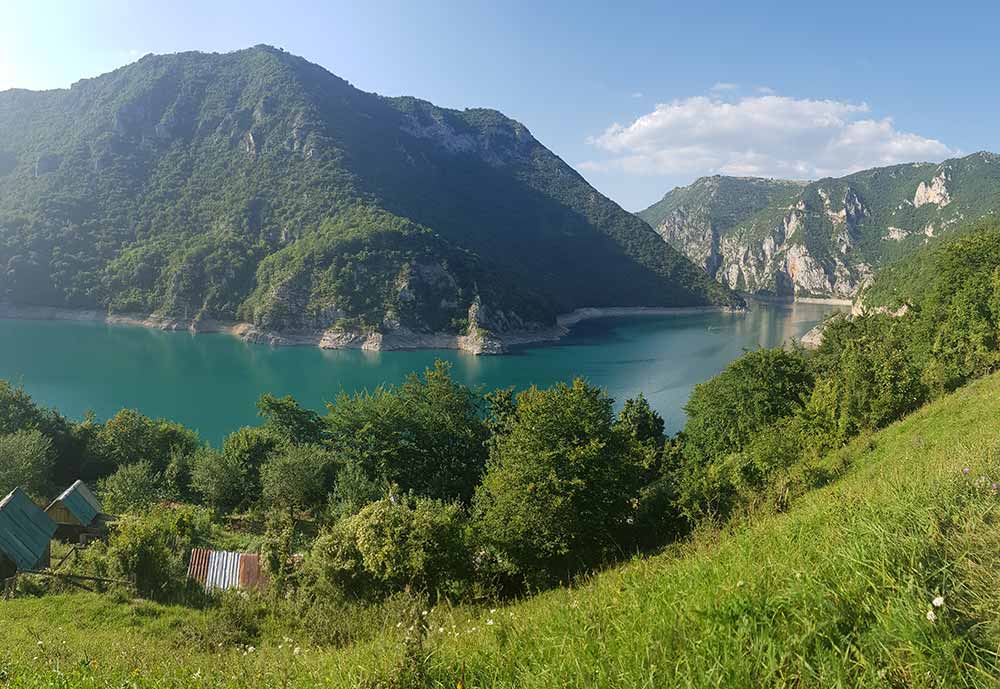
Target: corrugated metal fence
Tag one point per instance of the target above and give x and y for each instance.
(218, 570)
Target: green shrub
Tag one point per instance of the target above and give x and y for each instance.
(221, 480)
(393, 544)
(129, 437)
(153, 549)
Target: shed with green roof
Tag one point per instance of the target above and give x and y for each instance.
(25, 534)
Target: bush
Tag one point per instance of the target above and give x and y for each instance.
(560, 485)
(153, 549)
(393, 544)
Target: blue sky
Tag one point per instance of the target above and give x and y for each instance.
(639, 98)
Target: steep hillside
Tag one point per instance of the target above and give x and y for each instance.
(836, 592)
(257, 186)
(933, 268)
(825, 238)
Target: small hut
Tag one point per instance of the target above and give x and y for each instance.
(77, 514)
(25, 534)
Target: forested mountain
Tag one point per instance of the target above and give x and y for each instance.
(823, 238)
(257, 186)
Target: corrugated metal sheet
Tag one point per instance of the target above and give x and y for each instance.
(251, 575)
(79, 502)
(198, 567)
(25, 530)
(219, 570)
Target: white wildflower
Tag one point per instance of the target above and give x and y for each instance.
(938, 602)
(489, 621)
(931, 616)
(297, 651)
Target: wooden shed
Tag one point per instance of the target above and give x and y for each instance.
(25, 534)
(77, 514)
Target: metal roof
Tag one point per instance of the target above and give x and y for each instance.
(25, 530)
(80, 502)
(218, 570)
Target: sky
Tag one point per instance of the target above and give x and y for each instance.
(639, 97)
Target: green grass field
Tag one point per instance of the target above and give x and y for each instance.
(836, 592)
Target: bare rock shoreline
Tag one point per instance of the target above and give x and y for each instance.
(476, 342)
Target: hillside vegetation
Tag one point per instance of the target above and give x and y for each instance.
(254, 185)
(825, 518)
(834, 593)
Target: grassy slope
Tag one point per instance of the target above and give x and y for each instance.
(833, 593)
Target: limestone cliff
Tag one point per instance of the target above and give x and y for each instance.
(821, 239)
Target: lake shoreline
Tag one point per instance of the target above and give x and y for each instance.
(401, 339)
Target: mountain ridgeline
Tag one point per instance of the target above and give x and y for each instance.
(255, 186)
(822, 239)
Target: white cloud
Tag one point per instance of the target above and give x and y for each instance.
(766, 90)
(724, 86)
(766, 135)
(637, 94)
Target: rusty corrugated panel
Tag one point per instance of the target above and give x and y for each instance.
(198, 567)
(252, 577)
(219, 570)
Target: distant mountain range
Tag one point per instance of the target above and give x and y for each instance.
(822, 239)
(255, 186)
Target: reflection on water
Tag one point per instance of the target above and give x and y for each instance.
(210, 382)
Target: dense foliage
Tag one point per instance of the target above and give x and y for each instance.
(255, 185)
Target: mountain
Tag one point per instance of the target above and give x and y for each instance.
(259, 187)
(825, 238)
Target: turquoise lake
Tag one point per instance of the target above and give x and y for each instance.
(210, 382)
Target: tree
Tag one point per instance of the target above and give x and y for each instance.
(129, 437)
(220, 480)
(287, 419)
(752, 392)
(641, 422)
(26, 460)
(725, 413)
(560, 485)
(70, 460)
(428, 435)
(297, 478)
(133, 488)
(230, 479)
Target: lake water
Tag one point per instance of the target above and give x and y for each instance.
(210, 382)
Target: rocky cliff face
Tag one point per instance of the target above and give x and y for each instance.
(822, 239)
